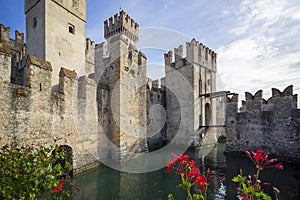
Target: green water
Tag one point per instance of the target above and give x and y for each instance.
(108, 184)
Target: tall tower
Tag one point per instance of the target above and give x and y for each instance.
(198, 69)
(55, 31)
(121, 68)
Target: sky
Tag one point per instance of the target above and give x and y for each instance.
(257, 41)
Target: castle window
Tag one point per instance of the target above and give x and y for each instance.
(71, 29)
(34, 22)
(200, 87)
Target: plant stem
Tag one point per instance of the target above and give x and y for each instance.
(205, 193)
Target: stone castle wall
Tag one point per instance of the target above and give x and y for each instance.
(32, 113)
(272, 125)
(18, 53)
(156, 114)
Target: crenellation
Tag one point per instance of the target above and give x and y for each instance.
(142, 58)
(295, 101)
(89, 56)
(5, 63)
(37, 114)
(178, 53)
(14, 44)
(89, 45)
(233, 99)
(257, 96)
(19, 37)
(4, 34)
(118, 72)
(260, 120)
(67, 80)
(121, 23)
(38, 74)
(168, 58)
(199, 53)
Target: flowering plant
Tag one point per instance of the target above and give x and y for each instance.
(190, 176)
(250, 187)
(30, 172)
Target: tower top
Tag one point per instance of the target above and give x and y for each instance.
(121, 23)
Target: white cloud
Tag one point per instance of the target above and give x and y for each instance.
(256, 40)
(264, 52)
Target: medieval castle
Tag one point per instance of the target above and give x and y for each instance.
(95, 96)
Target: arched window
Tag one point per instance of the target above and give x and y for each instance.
(71, 29)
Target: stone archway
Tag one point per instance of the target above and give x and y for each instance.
(207, 114)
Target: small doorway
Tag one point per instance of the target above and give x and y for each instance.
(68, 159)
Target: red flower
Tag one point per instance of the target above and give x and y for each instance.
(259, 155)
(201, 182)
(194, 172)
(178, 164)
(244, 197)
(261, 160)
(55, 191)
(58, 188)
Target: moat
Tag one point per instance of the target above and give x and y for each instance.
(108, 184)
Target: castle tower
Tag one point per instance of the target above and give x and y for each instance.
(198, 71)
(122, 69)
(55, 31)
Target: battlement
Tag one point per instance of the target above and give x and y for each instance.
(258, 95)
(121, 23)
(233, 99)
(275, 120)
(196, 52)
(89, 45)
(286, 92)
(257, 102)
(14, 44)
(199, 53)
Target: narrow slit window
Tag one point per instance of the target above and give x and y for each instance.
(34, 22)
(71, 29)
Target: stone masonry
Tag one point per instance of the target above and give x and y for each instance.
(272, 125)
(85, 93)
(32, 113)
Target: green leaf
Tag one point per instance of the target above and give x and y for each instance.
(171, 197)
(235, 179)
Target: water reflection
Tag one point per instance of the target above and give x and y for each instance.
(108, 184)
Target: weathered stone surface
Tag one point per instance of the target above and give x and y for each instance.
(59, 40)
(4, 49)
(271, 125)
(34, 114)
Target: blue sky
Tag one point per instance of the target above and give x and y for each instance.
(257, 42)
